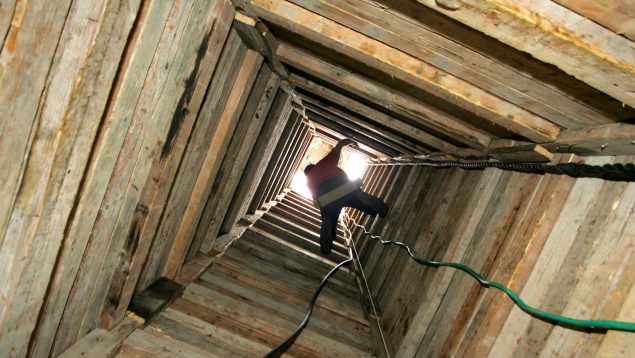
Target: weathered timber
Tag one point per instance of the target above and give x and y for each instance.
(152, 343)
(6, 15)
(258, 197)
(515, 151)
(464, 134)
(616, 15)
(609, 139)
(268, 138)
(152, 19)
(192, 159)
(258, 38)
(391, 100)
(405, 67)
(362, 125)
(553, 34)
(438, 49)
(284, 161)
(30, 46)
(352, 132)
(213, 158)
(101, 342)
(156, 190)
(235, 160)
(70, 109)
(146, 136)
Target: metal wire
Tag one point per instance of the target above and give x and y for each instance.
(552, 317)
(370, 296)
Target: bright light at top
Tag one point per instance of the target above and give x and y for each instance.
(298, 184)
(355, 166)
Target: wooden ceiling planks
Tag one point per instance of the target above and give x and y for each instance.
(553, 34)
(617, 15)
(420, 67)
(440, 51)
(407, 68)
(425, 116)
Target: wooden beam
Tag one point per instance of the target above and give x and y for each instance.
(355, 132)
(156, 190)
(258, 38)
(617, 15)
(380, 117)
(359, 125)
(609, 139)
(389, 99)
(57, 75)
(168, 82)
(555, 35)
(211, 164)
(328, 135)
(173, 202)
(101, 342)
(267, 176)
(415, 35)
(407, 68)
(253, 174)
(515, 151)
(235, 161)
(367, 125)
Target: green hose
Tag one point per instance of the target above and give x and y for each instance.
(584, 323)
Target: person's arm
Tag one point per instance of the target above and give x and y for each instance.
(341, 144)
(334, 155)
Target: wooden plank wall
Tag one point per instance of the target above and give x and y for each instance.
(565, 245)
(122, 119)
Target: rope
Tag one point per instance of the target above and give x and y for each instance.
(370, 296)
(614, 172)
(555, 318)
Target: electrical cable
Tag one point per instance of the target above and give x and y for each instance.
(567, 321)
(286, 344)
(614, 172)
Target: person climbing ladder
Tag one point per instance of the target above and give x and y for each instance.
(332, 191)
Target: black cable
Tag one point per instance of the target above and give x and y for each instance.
(284, 346)
(614, 172)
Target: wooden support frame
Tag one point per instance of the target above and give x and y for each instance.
(270, 192)
(286, 161)
(235, 161)
(58, 72)
(253, 174)
(258, 198)
(156, 191)
(405, 144)
(175, 201)
(389, 99)
(411, 28)
(258, 38)
(351, 132)
(407, 68)
(554, 35)
(213, 158)
(609, 139)
(514, 151)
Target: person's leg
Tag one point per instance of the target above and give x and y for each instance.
(367, 203)
(328, 231)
